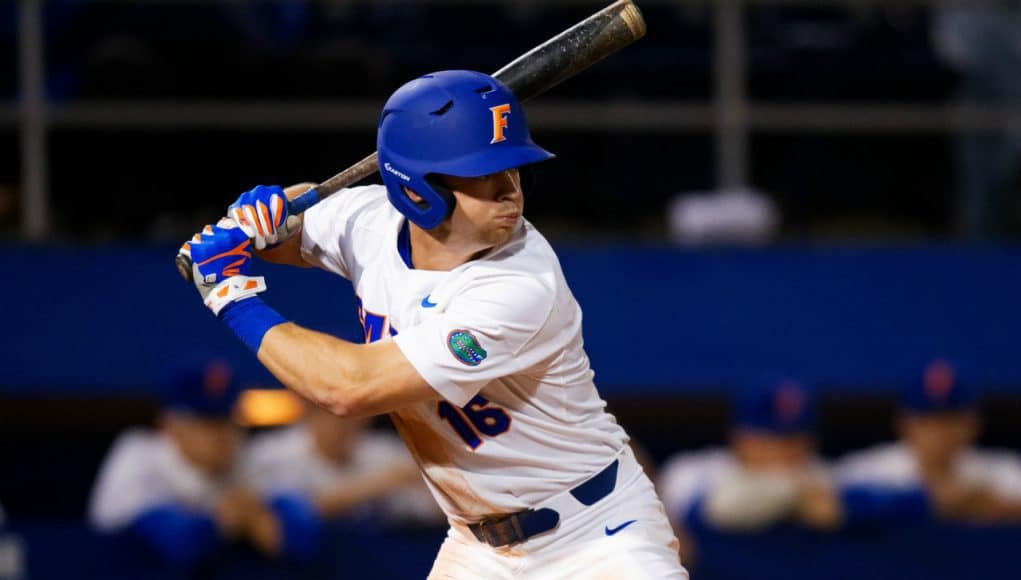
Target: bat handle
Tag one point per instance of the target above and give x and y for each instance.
(302, 202)
(183, 264)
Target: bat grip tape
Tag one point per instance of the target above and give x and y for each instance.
(304, 201)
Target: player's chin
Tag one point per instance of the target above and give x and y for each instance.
(499, 234)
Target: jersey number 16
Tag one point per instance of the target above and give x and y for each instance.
(479, 417)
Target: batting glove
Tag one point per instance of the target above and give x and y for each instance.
(220, 263)
(262, 214)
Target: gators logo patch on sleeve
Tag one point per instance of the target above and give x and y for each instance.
(465, 347)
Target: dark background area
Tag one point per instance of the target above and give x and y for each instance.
(603, 183)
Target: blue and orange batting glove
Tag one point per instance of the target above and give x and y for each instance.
(221, 259)
(262, 214)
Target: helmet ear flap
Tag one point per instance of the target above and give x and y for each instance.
(445, 192)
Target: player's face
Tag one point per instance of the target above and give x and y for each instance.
(208, 444)
(758, 450)
(488, 208)
(937, 438)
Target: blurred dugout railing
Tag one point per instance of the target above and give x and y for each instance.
(729, 114)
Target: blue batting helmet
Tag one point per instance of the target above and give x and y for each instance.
(457, 122)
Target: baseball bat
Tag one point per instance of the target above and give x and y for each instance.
(529, 75)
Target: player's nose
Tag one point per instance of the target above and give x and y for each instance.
(508, 185)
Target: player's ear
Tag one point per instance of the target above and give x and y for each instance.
(414, 197)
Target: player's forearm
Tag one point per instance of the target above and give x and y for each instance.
(312, 364)
(349, 380)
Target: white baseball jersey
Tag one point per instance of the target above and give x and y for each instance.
(144, 470)
(498, 338)
(286, 461)
(894, 465)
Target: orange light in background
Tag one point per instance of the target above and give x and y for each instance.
(268, 408)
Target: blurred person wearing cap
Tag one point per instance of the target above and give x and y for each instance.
(938, 425)
(174, 487)
(770, 474)
(325, 469)
(756, 481)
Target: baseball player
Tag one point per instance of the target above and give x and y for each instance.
(175, 488)
(474, 340)
(938, 425)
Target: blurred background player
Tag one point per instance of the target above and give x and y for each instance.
(760, 478)
(175, 487)
(938, 424)
(771, 474)
(328, 469)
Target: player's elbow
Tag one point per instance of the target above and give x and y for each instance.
(335, 399)
(336, 405)
(343, 394)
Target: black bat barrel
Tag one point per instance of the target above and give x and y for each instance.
(573, 50)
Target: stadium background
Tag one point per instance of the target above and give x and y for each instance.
(125, 125)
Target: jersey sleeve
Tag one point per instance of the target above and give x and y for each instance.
(491, 330)
(327, 228)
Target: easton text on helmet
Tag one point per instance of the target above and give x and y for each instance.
(396, 172)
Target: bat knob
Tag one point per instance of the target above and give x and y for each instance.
(184, 267)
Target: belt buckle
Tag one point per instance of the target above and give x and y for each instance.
(497, 533)
(482, 528)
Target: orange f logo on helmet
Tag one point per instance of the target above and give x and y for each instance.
(500, 113)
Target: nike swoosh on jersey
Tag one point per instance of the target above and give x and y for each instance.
(426, 303)
(610, 532)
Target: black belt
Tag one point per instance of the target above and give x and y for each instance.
(510, 529)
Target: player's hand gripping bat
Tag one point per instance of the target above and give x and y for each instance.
(530, 75)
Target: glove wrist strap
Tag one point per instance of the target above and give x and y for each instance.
(234, 289)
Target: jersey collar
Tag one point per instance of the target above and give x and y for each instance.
(404, 244)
